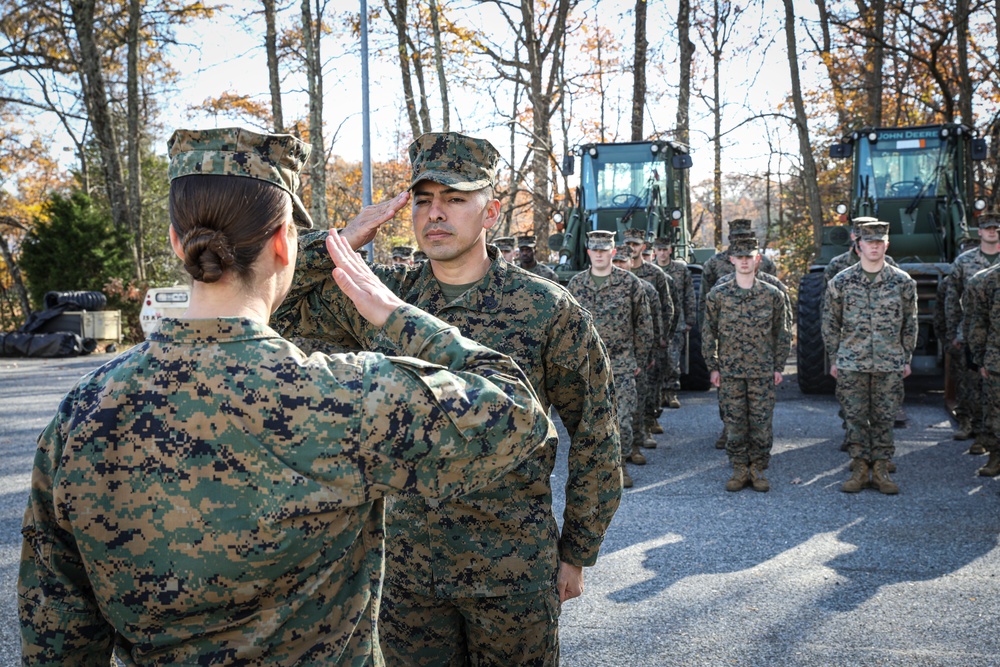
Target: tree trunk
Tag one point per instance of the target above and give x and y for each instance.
(826, 55)
(439, 64)
(311, 34)
(683, 132)
(801, 123)
(15, 272)
(717, 127)
(134, 135)
(964, 80)
(96, 101)
(274, 80)
(876, 57)
(399, 20)
(639, 71)
(418, 72)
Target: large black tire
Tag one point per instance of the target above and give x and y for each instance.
(810, 352)
(697, 377)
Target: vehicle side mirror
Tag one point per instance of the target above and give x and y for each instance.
(840, 150)
(979, 149)
(681, 161)
(568, 165)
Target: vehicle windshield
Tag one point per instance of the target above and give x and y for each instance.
(904, 164)
(620, 176)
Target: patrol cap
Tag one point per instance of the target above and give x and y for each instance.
(662, 242)
(744, 246)
(633, 235)
(402, 251)
(623, 253)
(861, 220)
(419, 256)
(600, 240)
(526, 241)
(505, 243)
(874, 231)
(234, 151)
(648, 252)
(989, 219)
(454, 160)
(740, 226)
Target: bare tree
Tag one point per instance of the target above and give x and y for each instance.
(802, 126)
(312, 30)
(639, 71)
(12, 268)
(439, 65)
(273, 77)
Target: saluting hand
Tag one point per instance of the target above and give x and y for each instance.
(373, 300)
(365, 225)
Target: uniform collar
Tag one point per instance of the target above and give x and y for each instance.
(485, 297)
(220, 330)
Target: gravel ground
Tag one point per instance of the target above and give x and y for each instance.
(693, 575)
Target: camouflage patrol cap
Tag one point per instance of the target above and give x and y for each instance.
(662, 242)
(989, 219)
(740, 226)
(419, 256)
(648, 252)
(633, 235)
(454, 160)
(874, 231)
(505, 243)
(402, 251)
(861, 220)
(600, 240)
(623, 253)
(233, 151)
(745, 246)
(526, 241)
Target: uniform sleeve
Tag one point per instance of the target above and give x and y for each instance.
(710, 332)
(669, 306)
(579, 386)
(656, 315)
(781, 331)
(954, 284)
(908, 333)
(642, 324)
(449, 420)
(690, 303)
(833, 313)
(708, 280)
(61, 623)
(977, 321)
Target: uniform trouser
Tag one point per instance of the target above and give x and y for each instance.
(969, 389)
(747, 406)
(489, 632)
(870, 402)
(671, 361)
(626, 400)
(991, 412)
(652, 402)
(642, 383)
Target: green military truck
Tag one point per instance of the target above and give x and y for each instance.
(638, 185)
(919, 180)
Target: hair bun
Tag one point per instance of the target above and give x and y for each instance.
(207, 254)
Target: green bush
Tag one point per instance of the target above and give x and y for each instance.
(73, 246)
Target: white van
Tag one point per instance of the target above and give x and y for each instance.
(163, 302)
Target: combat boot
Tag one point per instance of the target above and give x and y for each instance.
(740, 478)
(672, 400)
(977, 448)
(757, 479)
(636, 456)
(654, 427)
(721, 442)
(890, 466)
(992, 467)
(880, 478)
(859, 477)
(664, 398)
(649, 442)
(964, 430)
(845, 444)
(626, 479)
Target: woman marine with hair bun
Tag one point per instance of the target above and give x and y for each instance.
(213, 495)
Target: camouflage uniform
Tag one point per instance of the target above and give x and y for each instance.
(718, 265)
(747, 339)
(666, 312)
(214, 496)
(982, 335)
(489, 559)
(870, 330)
(646, 398)
(622, 316)
(683, 289)
(845, 260)
(543, 271)
(969, 410)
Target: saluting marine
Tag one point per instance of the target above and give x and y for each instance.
(481, 578)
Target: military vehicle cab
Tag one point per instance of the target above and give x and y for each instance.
(919, 180)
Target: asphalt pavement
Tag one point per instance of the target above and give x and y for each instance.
(691, 575)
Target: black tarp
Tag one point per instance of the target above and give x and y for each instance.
(33, 339)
